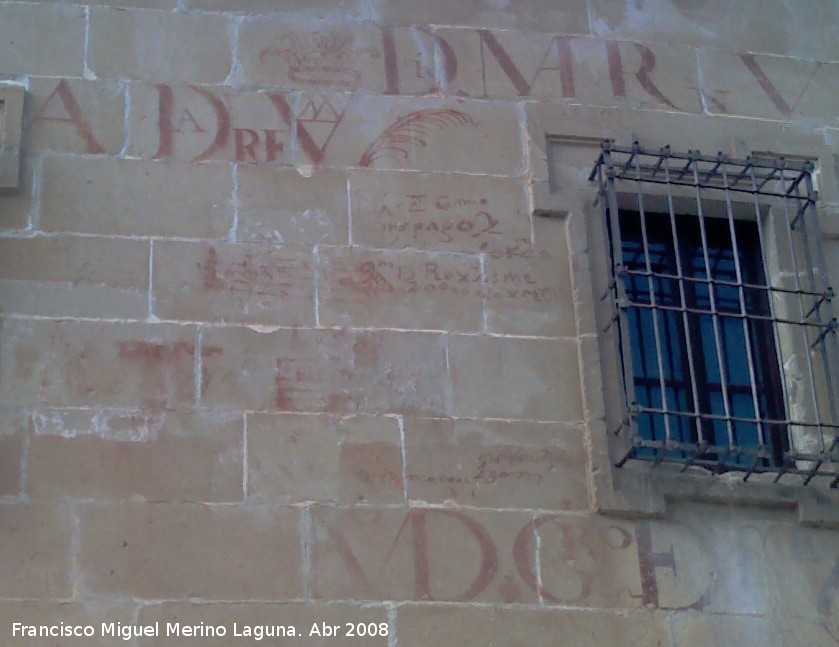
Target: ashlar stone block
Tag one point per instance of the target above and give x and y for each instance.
(35, 549)
(495, 464)
(446, 212)
(519, 378)
(116, 455)
(164, 551)
(328, 459)
(234, 283)
(400, 289)
(326, 370)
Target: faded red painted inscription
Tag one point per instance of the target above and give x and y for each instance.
(372, 279)
(498, 465)
(254, 274)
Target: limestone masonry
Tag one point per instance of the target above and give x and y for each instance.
(283, 343)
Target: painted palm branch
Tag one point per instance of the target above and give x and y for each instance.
(412, 130)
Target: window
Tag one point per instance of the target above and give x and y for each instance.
(720, 316)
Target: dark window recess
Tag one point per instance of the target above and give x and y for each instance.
(696, 330)
(723, 366)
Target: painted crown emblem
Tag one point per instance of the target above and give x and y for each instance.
(324, 59)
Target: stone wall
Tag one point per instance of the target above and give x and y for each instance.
(282, 343)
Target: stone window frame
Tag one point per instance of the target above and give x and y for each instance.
(568, 138)
(11, 127)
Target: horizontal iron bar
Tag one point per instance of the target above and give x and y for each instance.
(704, 448)
(719, 181)
(722, 313)
(652, 383)
(805, 166)
(716, 466)
(712, 416)
(677, 446)
(733, 284)
(771, 194)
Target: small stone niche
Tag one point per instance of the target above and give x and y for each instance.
(11, 121)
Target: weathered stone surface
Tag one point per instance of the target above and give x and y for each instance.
(495, 464)
(589, 562)
(292, 206)
(407, 555)
(18, 206)
(693, 629)
(803, 578)
(202, 123)
(568, 163)
(136, 198)
(338, 371)
(441, 211)
(75, 363)
(161, 551)
(276, 52)
(599, 72)
(293, 458)
(285, 338)
(232, 282)
(106, 454)
(736, 137)
(400, 289)
(771, 87)
(751, 26)
(35, 549)
(73, 614)
(28, 42)
(380, 132)
(537, 15)
(303, 617)
(706, 559)
(159, 46)
(14, 426)
(309, 8)
(70, 276)
(144, 4)
(323, 128)
(428, 625)
(75, 116)
(527, 379)
(532, 292)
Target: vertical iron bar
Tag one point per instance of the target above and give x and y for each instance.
(700, 437)
(654, 309)
(620, 291)
(715, 318)
(802, 310)
(742, 295)
(828, 376)
(775, 331)
(826, 289)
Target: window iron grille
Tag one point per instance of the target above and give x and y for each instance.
(720, 312)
